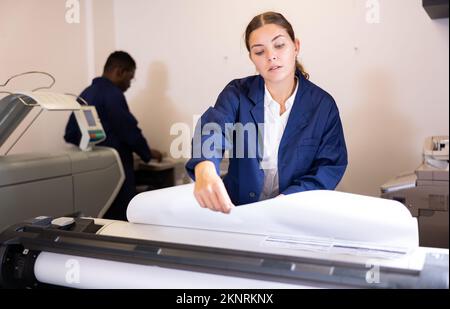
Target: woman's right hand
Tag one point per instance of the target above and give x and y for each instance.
(210, 190)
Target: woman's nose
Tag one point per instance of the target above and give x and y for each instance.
(272, 56)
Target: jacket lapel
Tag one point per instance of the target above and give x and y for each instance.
(300, 113)
(256, 95)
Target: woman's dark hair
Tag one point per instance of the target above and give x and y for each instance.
(277, 19)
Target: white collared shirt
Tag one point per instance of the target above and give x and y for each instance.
(274, 125)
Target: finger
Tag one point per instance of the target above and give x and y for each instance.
(224, 193)
(206, 196)
(199, 200)
(213, 198)
(223, 198)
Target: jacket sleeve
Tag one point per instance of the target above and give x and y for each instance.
(330, 160)
(210, 138)
(126, 127)
(72, 134)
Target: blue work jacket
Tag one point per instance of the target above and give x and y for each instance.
(121, 127)
(312, 154)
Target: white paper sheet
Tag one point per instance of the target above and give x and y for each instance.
(319, 214)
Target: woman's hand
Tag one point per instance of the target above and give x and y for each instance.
(209, 189)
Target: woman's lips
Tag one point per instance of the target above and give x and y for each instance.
(275, 68)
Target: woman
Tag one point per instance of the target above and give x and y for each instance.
(299, 136)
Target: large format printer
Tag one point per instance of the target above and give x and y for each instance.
(313, 239)
(309, 239)
(425, 192)
(82, 180)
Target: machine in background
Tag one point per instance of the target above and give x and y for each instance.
(67, 252)
(425, 192)
(84, 181)
(171, 242)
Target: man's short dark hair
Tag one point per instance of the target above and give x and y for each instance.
(121, 60)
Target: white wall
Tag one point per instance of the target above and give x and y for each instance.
(35, 36)
(390, 80)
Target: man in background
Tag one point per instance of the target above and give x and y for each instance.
(106, 93)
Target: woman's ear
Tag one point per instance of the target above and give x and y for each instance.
(297, 46)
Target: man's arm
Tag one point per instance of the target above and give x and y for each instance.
(126, 128)
(72, 134)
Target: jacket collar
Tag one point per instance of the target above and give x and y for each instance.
(101, 80)
(300, 113)
(256, 92)
(256, 89)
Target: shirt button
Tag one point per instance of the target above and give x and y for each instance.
(252, 194)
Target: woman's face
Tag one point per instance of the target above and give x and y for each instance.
(273, 53)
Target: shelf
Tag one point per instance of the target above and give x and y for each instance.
(436, 8)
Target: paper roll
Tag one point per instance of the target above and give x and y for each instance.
(324, 214)
(89, 273)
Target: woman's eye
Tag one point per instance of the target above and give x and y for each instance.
(279, 46)
(259, 53)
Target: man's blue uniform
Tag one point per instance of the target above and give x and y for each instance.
(122, 134)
